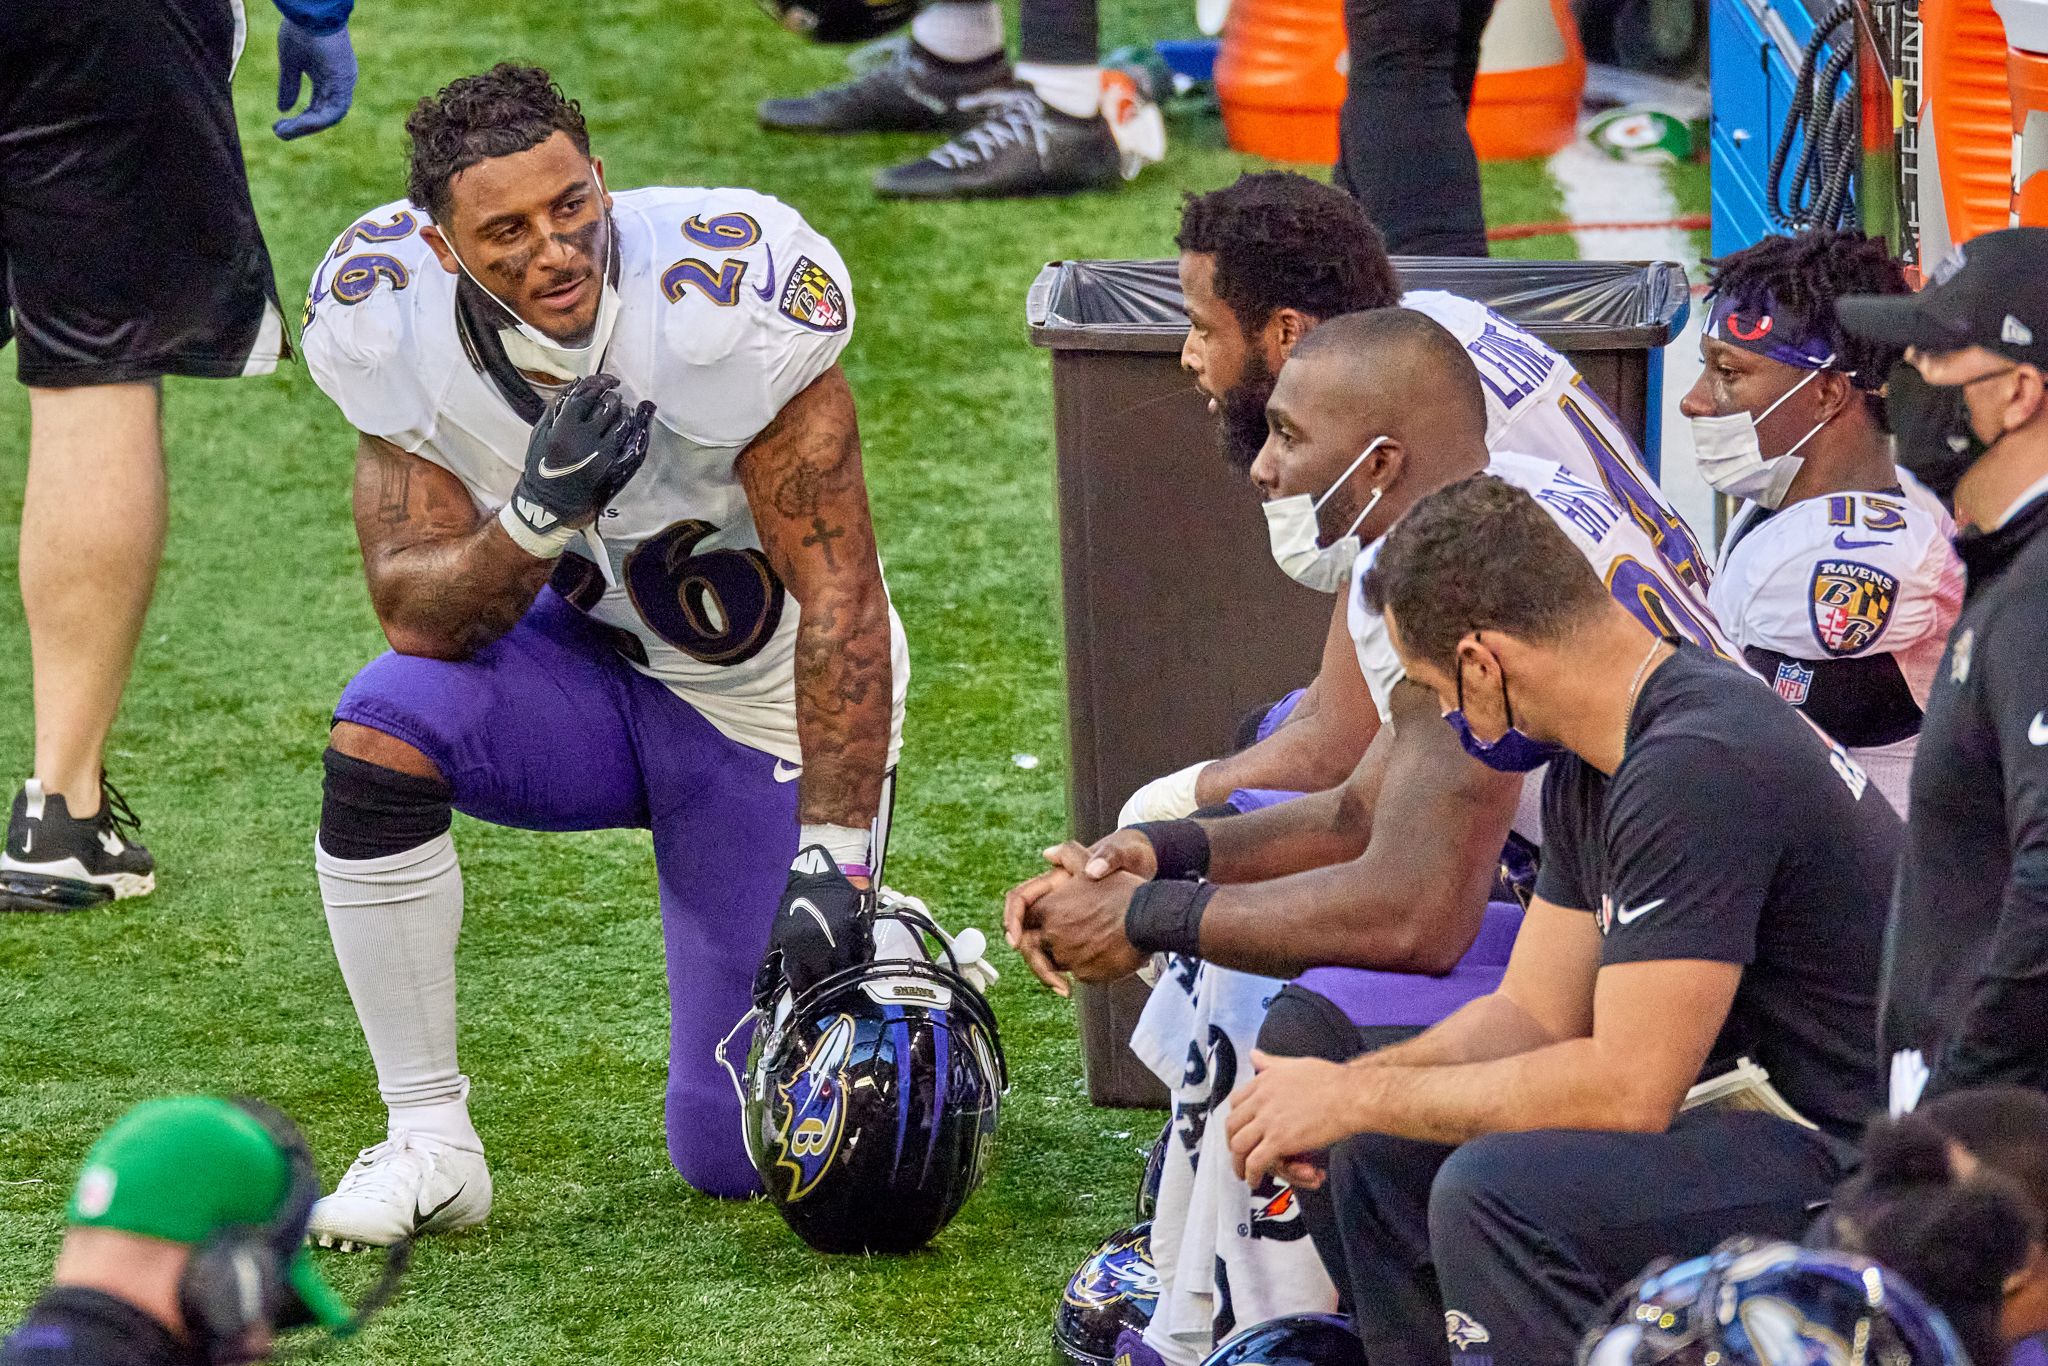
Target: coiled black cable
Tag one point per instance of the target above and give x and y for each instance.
(1818, 195)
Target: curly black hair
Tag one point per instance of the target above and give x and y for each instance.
(505, 110)
(1803, 275)
(1954, 1238)
(1284, 241)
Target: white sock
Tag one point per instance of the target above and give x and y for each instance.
(960, 30)
(395, 922)
(1075, 90)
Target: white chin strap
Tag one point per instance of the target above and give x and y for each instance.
(529, 348)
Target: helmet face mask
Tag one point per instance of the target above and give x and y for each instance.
(871, 1103)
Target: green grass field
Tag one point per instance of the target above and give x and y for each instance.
(223, 980)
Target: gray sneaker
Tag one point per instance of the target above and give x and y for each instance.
(907, 90)
(1021, 146)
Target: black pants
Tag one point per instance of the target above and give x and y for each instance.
(1303, 1024)
(128, 244)
(1058, 33)
(1512, 1244)
(1403, 150)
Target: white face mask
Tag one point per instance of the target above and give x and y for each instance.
(1732, 462)
(529, 348)
(1295, 536)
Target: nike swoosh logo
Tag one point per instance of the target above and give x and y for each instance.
(785, 774)
(1629, 915)
(28, 840)
(2037, 732)
(1842, 542)
(767, 291)
(420, 1221)
(804, 904)
(548, 471)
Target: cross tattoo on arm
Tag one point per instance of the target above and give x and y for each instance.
(822, 537)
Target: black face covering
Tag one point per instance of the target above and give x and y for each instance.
(1936, 442)
(1243, 430)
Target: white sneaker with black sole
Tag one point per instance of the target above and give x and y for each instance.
(405, 1186)
(54, 861)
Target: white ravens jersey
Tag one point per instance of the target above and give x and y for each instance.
(729, 305)
(1538, 405)
(1843, 576)
(1628, 560)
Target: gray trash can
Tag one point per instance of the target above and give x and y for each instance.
(1177, 621)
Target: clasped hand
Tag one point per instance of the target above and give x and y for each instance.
(1070, 919)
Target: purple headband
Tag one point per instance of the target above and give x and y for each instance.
(1761, 329)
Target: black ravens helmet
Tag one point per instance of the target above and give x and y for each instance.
(1293, 1340)
(841, 21)
(1115, 1289)
(871, 1098)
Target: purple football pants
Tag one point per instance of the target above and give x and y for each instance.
(548, 729)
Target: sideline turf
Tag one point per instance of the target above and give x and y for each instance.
(224, 981)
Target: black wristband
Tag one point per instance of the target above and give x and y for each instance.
(1166, 917)
(1181, 848)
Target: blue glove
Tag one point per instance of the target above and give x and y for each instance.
(330, 61)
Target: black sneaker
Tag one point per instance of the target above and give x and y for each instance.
(908, 91)
(1022, 146)
(53, 862)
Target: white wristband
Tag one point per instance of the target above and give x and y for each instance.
(1171, 798)
(847, 844)
(545, 545)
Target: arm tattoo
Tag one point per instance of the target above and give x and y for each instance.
(394, 491)
(444, 578)
(803, 478)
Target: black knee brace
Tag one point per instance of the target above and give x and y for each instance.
(368, 811)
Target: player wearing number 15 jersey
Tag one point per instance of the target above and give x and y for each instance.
(610, 500)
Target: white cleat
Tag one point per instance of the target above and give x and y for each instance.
(405, 1186)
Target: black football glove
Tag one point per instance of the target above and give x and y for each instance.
(586, 447)
(824, 925)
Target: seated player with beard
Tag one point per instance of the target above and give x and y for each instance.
(1373, 412)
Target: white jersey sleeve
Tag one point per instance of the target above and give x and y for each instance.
(1538, 405)
(1628, 559)
(772, 308)
(1845, 575)
(358, 333)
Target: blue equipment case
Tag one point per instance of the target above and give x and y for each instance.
(1754, 51)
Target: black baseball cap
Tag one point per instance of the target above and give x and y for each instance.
(1991, 292)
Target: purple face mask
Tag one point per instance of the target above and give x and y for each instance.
(1514, 752)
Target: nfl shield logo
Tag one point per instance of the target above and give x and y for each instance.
(1851, 604)
(1794, 679)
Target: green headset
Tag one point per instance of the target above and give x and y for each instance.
(245, 1277)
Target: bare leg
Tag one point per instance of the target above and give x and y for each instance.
(92, 534)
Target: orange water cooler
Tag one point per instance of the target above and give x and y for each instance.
(2026, 36)
(1965, 125)
(1281, 73)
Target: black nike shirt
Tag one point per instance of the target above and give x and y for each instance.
(71, 1326)
(1734, 832)
(1966, 970)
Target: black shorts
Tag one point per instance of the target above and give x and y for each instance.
(128, 244)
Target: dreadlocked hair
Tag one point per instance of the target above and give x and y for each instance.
(1282, 240)
(1803, 275)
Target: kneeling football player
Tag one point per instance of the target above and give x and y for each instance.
(610, 499)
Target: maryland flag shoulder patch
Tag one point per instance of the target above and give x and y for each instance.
(811, 297)
(1851, 604)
